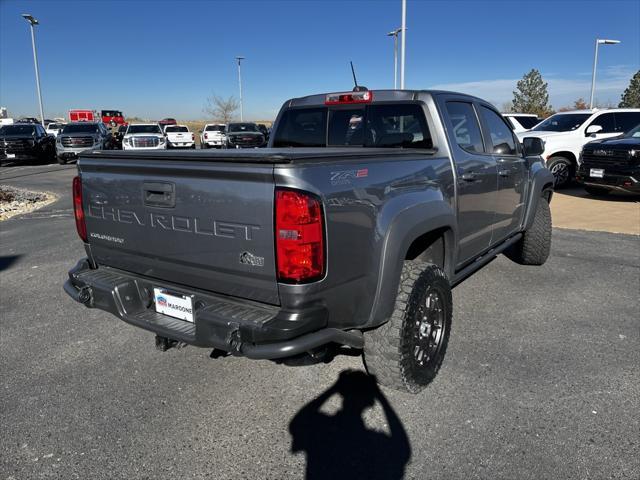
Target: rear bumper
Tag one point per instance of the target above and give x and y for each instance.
(241, 327)
(623, 179)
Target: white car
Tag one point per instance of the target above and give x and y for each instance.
(213, 135)
(521, 122)
(566, 133)
(179, 136)
(54, 128)
(144, 136)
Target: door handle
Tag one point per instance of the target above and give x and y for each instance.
(504, 173)
(469, 177)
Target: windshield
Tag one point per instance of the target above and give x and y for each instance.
(143, 129)
(176, 129)
(54, 126)
(380, 126)
(243, 127)
(562, 122)
(527, 122)
(633, 133)
(81, 128)
(17, 130)
(215, 128)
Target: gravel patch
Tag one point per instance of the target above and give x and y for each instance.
(15, 201)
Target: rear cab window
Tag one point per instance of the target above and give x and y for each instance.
(373, 126)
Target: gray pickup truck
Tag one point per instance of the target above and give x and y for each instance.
(350, 229)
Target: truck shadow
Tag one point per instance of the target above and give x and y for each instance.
(341, 446)
(7, 261)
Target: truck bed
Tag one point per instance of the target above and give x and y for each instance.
(271, 156)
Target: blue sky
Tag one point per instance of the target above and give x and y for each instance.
(164, 58)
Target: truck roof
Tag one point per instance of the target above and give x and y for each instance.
(378, 96)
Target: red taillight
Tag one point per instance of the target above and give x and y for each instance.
(78, 210)
(193, 137)
(299, 237)
(206, 135)
(348, 97)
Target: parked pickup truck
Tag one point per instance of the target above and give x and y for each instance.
(144, 136)
(611, 165)
(565, 134)
(179, 136)
(351, 229)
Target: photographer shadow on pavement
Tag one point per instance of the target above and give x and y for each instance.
(341, 446)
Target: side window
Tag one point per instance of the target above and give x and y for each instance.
(466, 129)
(625, 121)
(502, 141)
(606, 121)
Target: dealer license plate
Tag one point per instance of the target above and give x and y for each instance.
(596, 173)
(11, 155)
(173, 305)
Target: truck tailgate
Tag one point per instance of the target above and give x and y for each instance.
(206, 225)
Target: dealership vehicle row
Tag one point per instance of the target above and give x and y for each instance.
(564, 135)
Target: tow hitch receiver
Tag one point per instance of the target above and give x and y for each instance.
(163, 343)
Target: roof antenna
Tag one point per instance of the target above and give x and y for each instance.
(356, 88)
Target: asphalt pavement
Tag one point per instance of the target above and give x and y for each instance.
(540, 380)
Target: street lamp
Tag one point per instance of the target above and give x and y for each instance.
(33, 22)
(404, 38)
(239, 59)
(599, 41)
(394, 34)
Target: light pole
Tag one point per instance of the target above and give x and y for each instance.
(599, 41)
(33, 22)
(404, 38)
(239, 59)
(394, 34)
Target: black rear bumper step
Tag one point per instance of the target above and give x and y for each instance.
(241, 327)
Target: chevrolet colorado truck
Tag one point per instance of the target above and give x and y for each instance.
(352, 228)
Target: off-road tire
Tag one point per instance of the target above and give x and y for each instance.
(534, 246)
(596, 190)
(563, 171)
(390, 350)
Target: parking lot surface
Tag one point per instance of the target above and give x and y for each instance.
(540, 379)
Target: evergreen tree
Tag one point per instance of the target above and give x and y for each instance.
(531, 95)
(631, 96)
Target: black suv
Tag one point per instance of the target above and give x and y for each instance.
(26, 141)
(611, 165)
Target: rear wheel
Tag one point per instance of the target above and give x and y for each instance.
(204, 145)
(596, 190)
(406, 352)
(563, 170)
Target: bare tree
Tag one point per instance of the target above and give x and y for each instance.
(221, 109)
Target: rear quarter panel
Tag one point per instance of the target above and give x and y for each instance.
(372, 208)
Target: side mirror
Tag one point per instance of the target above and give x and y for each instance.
(593, 129)
(533, 146)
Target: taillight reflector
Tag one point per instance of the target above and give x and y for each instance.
(78, 210)
(348, 97)
(299, 237)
